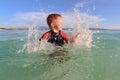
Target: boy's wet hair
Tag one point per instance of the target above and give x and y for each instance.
(52, 17)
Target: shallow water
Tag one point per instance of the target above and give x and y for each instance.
(100, 62)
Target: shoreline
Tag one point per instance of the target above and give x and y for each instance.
(2, 28)
(44, 28)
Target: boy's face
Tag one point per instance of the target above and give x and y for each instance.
(56, 24)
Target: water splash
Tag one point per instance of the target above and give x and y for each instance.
(85, 38)
(32, 44)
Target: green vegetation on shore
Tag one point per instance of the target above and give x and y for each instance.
(2, 28)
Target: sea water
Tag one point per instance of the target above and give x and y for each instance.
(93, 56)
(99, 62)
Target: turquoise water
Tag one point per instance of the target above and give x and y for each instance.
(100, 62)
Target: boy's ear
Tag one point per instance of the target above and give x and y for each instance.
(52, 25)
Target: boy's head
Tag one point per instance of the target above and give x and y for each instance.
(55, 22)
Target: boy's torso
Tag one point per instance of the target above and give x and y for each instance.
(57, 38)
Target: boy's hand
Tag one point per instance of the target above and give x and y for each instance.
(78, 34)
(75, 37)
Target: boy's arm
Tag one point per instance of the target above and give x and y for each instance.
(44, 37)
(66, 38)
(75, 37)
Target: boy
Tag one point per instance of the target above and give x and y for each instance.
(56, 35)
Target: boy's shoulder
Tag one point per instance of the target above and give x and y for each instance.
(46, 35)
